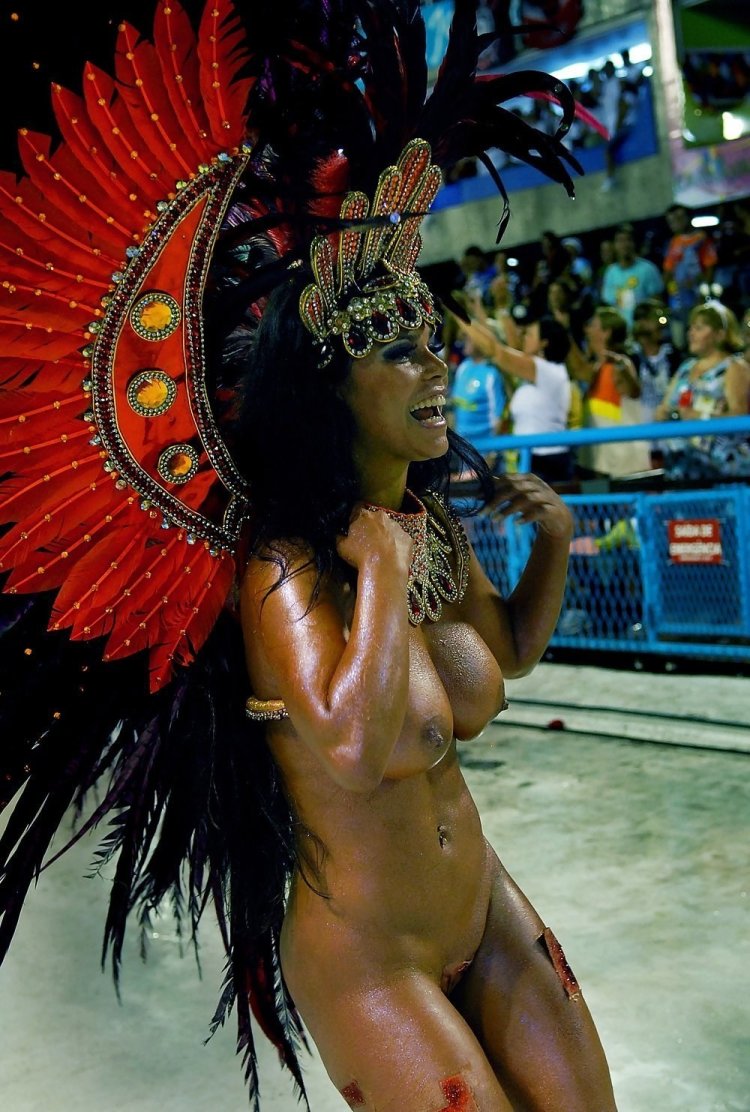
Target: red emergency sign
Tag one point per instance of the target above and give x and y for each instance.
(695, 541)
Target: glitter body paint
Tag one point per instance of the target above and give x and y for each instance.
(353, 1095)
(458, 1094)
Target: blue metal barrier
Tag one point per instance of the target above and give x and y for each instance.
(571, 438)
(663, 572)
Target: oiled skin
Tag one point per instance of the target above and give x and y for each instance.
(400, 886)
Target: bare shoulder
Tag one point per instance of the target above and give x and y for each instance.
(291, 622)
(282, 576)
(739, 367)
(737, 386)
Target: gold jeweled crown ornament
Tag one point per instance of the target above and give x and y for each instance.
(366, 288)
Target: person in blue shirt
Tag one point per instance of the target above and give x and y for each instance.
(477, 395)
(629, 279)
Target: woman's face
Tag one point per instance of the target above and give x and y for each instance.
(396, 394)
(532, 341)
(597, 336)
(703, 338)
(557, 296)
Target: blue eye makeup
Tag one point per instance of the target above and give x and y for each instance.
(394, 353)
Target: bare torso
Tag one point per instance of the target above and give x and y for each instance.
(417, 965)
(398, 877)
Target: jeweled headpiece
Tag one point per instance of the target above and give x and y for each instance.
(366, 288)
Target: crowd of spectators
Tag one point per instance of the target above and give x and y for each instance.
(642, 331)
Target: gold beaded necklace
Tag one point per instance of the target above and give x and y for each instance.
(431, 579)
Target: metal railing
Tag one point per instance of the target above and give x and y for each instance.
(571, 438)
(651, 571)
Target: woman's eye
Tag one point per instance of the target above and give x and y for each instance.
(400, 353)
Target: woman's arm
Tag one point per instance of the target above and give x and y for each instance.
(666, 405)
(346, 697)
(737, 388)
(517, 630)
(508, 358)
(579, 365)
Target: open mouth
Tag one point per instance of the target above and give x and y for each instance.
(429, 413)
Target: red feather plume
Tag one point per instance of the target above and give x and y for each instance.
(222, 51)
(177, 52)
(65, 229)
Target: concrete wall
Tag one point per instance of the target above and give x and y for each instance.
(644, 189)
(598, 11)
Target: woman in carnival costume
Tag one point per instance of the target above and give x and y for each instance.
(235, 592)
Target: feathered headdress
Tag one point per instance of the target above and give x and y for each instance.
(185, 188)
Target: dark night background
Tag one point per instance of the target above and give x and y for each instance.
(57, 37)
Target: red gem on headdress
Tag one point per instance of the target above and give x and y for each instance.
(407, 312)
(380, 325)
(357, 341)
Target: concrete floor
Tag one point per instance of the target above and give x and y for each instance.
(636, 852)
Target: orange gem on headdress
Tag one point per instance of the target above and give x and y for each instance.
(179, 464)
(151, 392)
(155, 316)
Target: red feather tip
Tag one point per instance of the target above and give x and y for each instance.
(330, 180)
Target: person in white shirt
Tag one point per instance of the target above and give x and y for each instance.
(541, 403)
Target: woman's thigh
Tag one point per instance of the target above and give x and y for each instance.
(399, 1045)
(521, 1000)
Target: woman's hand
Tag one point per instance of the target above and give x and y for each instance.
(475, 306)
(625, 375)
(374, 536)
(531, 498)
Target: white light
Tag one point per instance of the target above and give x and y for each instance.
(641, 52)
(512, 262)
(704, 221)
(574, 72)
(732, 126)
(648, 71)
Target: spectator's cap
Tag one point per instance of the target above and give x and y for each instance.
(571, 241)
